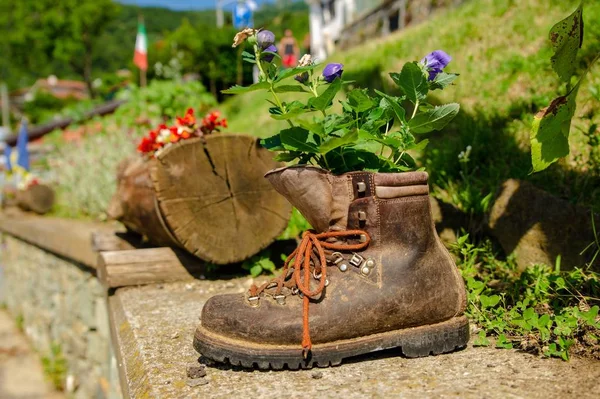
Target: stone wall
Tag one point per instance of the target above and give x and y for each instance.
(61, 304)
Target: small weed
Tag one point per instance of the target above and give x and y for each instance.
(541, 310)
(260, 264)
(55, 366)
(20, 322)
(296, 226)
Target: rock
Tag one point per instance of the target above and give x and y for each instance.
(448, 220)
(538, 227)
(196, 371)
(196, 382)
(317, 375)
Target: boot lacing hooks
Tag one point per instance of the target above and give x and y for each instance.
(302, 260)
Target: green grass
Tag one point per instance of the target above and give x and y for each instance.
(55, 366)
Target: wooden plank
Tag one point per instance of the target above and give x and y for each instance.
(109, 241)
(39, 131)
(143, 266)
(65, 237)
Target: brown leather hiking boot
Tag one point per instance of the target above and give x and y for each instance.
(373, 275)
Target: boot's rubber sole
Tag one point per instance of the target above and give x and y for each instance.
(419, 341)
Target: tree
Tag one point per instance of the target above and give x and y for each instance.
(83, 23)
(46, 36)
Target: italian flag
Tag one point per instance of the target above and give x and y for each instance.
(140, 57)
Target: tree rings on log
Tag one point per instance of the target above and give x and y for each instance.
(208, 196)
(214, 198)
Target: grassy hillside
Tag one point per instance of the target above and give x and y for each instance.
(501, 50)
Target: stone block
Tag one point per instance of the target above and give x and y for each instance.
(102, 321)
(538, 227)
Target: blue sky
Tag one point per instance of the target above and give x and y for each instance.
(180, 4)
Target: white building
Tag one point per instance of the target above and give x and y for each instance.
(343, 23)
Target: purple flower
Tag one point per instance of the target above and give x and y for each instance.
(265, 39)
(435, 62)
(269, 57)
(332, 71)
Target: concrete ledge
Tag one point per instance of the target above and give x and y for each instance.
(68, 238)
(153, 327)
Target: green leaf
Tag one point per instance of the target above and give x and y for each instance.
(287, 156)
(293, 72)
(267, 264)
(420, 146)
(256, 270)
(335, 142)
(299, 139)
(386, 140)
(290, 89)
(433, 119)
(489, 301)
(481, 339)
(503, 343)
(394, 103)
(359, 100)
(335, 122)
(412, 81)
(324, 100)
(272, 143)
(293, 109)
(566, 38)
(550, 131)
(442, 80)
(240, 89)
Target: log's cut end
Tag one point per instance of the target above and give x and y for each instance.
(38, 198)
(134, 203)
(215, 199)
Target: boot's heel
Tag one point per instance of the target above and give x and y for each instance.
(440, 338)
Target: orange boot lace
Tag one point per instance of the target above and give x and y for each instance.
(302, 256)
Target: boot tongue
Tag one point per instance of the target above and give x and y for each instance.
(311, 191)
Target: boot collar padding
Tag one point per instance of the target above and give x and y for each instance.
(324, 198)
(320, 196)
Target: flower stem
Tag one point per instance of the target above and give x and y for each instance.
(259, 63)
(415, 110)
(279, 104)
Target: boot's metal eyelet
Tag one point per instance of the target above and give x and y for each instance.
(365, 270)
(295, 291)
(338, 257)
(370, 263)
(356, 260)
(326, 282)
(253, 301)
(343, 267)
(363, 238)
(317, 276)
(361, 187)
(362, 216)
(280, 299)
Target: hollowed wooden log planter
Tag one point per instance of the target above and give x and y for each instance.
(37, 198)
(207, 196)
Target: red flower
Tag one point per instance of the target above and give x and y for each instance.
(211, 122)
(146, 145)
(188, 119)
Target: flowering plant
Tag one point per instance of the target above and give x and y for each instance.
(185, 127)
(27, 181)
(372, 131)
